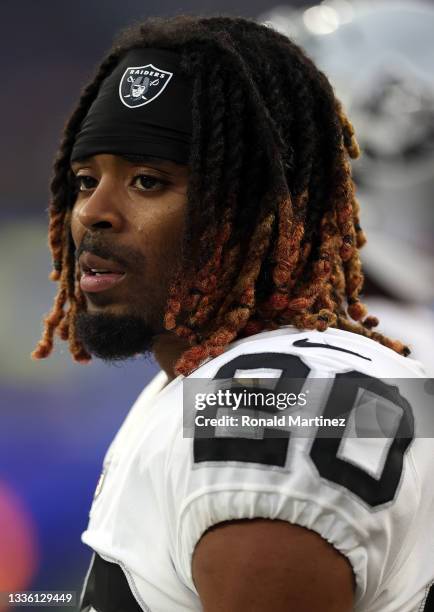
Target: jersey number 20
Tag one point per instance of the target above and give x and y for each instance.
(271, 450)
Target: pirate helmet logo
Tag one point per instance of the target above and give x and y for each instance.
(140, 85)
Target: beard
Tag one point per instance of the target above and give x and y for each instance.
(114, 337)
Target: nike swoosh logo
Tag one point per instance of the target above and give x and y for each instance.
(304, 343)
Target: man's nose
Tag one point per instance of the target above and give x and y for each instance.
(101, 210)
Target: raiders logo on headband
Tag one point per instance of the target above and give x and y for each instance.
(140, 85)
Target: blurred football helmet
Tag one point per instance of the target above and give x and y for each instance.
(379, 56)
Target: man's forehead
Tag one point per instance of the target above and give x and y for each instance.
(129, 158)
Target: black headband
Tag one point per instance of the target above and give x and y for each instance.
(142, 108)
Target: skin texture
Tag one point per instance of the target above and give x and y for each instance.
(123, 213)
(262, 565)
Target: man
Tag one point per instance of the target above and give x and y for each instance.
(216, 225)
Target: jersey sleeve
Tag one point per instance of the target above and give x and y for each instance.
(247, 492)
(356, 494)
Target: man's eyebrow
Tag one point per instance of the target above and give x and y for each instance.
(148, 159)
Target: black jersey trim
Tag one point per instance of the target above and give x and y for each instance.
(428, 603)
(107, 589)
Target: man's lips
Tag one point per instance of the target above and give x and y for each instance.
(99, 274)
(89, 262)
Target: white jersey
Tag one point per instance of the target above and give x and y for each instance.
(159, 491)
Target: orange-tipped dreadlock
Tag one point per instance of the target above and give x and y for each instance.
(273, 231)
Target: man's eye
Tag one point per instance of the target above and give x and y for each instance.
(84, 182)
(145, 182)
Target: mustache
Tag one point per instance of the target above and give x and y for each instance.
(123, 255)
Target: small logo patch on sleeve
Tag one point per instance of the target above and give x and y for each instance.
(100, 483)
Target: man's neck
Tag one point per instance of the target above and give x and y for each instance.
(167, 349)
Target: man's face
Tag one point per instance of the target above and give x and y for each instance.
(131, 215)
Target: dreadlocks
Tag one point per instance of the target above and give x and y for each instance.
(273, 232)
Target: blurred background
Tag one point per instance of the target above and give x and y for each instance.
(57, 418)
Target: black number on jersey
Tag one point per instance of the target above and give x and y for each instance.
(324, 450)
(271, 450)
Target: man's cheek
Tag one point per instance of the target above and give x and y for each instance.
(76, 232)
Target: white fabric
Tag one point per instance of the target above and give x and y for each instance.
(154, 502)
